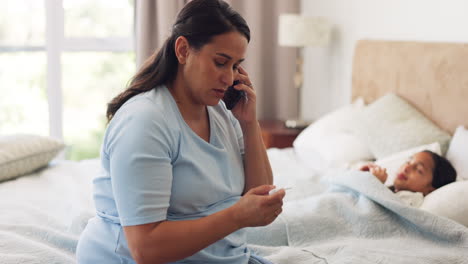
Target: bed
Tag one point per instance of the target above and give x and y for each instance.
(327, 211)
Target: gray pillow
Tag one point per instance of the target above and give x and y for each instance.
(391, 124)
(21, 154)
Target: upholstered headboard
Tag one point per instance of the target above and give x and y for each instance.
(431, 76)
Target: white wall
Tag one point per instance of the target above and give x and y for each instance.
(327, 71)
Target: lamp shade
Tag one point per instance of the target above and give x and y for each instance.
(299, 31)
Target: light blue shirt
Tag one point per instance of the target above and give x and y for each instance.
(155, 167)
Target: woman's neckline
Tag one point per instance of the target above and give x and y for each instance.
(181, 118)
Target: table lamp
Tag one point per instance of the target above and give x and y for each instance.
(299, 31)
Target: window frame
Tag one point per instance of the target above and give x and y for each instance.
(55, 44)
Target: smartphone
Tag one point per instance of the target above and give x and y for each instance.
(232, 96)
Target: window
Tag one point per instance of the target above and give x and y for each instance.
(23, 99)
(61, 62)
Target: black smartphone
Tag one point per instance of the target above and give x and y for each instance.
(232, 96)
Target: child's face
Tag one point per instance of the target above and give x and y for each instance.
(416, 174)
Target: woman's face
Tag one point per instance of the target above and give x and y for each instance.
(208, 72)
(416, 174)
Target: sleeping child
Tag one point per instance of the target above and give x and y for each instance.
(421, 174)
(323, 213)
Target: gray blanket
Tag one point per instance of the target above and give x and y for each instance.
(359, 220)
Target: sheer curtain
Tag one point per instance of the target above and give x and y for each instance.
(270, 67)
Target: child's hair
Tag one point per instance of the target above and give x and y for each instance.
(443, 173)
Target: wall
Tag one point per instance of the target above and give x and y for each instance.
(327, 70)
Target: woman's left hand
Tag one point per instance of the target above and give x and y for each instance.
(245, 109)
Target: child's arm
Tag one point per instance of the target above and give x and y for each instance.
(379, 172)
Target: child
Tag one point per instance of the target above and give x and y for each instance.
(422, 174)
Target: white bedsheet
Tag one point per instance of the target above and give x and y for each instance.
(289, 171)
(44, 213)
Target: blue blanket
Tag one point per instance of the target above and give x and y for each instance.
(359, 220)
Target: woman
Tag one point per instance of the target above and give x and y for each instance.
(423, 173)
(181, 174)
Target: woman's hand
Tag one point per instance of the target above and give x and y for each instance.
(257, 207)
(377, 171)
(245, 109)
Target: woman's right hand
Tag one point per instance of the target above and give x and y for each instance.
(257, 207)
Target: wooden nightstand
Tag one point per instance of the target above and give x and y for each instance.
(276, 135)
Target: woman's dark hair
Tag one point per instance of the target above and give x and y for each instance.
(443, 173)
(198, 21)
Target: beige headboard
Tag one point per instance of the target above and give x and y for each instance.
(431, 76)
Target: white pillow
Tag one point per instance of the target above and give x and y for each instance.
(450, 201)
(21, 154)
(393, 162)
(390, 125)
(458, 152)
(331, 140)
